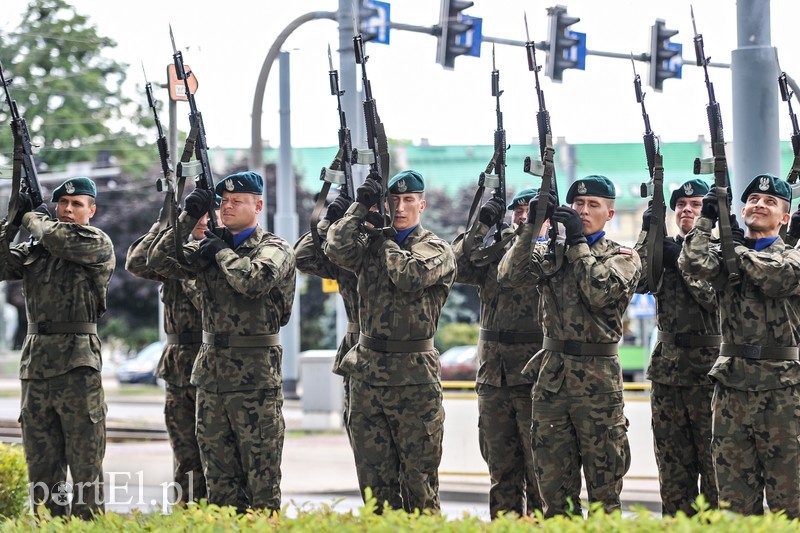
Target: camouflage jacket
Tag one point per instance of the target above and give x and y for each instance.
(683, 305)
(182, 303)
(246, 291)
(401, 289)
(315, 263)
(763, 309)
(65, 278)
(584, 301)
(502, 309)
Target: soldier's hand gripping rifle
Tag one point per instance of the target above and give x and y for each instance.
(24, 176)
(544, 167)
(341, 170)
(655, 190)
(718, 164)
(165, 184)
(199, 169)
(495, 177)
(377, 156)
(794, 172)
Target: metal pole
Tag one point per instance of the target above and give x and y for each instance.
(755, 97)
(286, 227)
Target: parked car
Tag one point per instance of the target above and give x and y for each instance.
(460, 363)
(142, 367)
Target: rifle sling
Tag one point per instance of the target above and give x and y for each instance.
(180, 182)
(16, 179)
(723, 195)
(656, 233)
(548, 177)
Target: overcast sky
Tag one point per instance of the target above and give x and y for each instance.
(225, 43)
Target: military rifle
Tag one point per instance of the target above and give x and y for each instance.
(24, 177)
(495, 177)
(196, 143)
(786, 96)
(655, 190)
(378, 154)
(167, 182)
(544, 167)
(340, 172)
(717, 165)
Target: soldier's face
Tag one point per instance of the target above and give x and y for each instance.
(520, 214)
(201, 226)
(686, 210)
(407, 210)
(78, 209)
(764, 214)
(240, 210)
(594, 211)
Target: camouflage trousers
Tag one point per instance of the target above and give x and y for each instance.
(397, 431)
(240, 435)
(63, 424)
(504, 435)
(756, 449)
(681, 421)
(573, 431)
(179, 415)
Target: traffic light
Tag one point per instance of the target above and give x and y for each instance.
(567, 48)
(665, 56)
(452, 42)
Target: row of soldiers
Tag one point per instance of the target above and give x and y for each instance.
(549, 383)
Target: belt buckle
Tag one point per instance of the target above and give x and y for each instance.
(682, 339)
(44, 327)
(752, 351)
(572, 348)
(221, 340)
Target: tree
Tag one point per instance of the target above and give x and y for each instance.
(69, 90)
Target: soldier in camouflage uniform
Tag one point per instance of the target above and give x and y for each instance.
(184, 329)
(247, 282)
(578, 417)
(65, 271)
(510, 336)
(688, 345)
(756, 401)
(396, 415)
(313, 261)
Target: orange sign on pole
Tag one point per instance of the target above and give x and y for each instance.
(177, 88)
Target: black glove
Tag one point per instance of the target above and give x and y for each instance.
(492, 212)
(337, 208)
(646, 216)
(794, 224)
(24, 205)
(737, 235)
(369, 192)
(710, 209)
(211, 245)
(571, 220)
(42, 208)
(196, 204)
(671, 252)
(552, 203)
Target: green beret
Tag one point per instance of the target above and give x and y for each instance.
(690, 189)
(75, 186)
(768, 184)
(523, 197)
(591, 186)
(407, 181)
(247, 181)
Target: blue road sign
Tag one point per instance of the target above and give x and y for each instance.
(577, 52)
(378, 24)
(675, 63)
(473, 37)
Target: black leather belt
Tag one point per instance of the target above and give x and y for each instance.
(512, 337)
(385, 345)
(752, 351)
(580, 348)
(47, 327)
(185, 337)
(223, 340)
(689, 340)
(352, 327)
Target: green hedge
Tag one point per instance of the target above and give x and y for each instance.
(204, 517)
(13, 480)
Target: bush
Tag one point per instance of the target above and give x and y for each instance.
(455, 334)
(13, 480)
